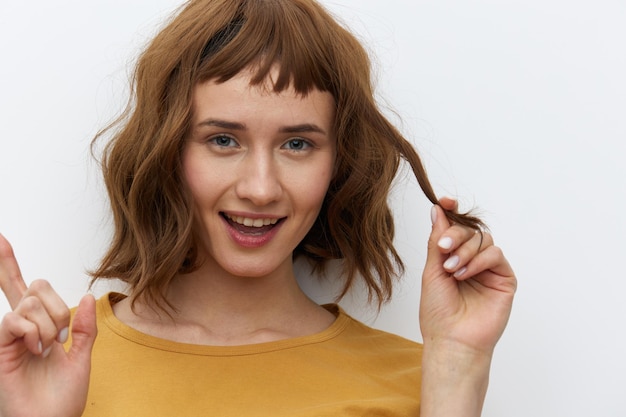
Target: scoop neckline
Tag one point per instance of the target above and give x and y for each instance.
(105, 309)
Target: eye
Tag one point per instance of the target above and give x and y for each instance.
(224, 141)
(297, 144)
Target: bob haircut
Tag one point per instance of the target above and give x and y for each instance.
(154, 238)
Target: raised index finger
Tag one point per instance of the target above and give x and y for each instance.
(11, 280)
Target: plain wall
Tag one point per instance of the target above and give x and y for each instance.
(517, 107)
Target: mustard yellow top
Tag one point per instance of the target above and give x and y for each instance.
(347, 370)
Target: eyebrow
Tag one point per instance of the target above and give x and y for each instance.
(224, 124)
(300, 128)
(303, 128)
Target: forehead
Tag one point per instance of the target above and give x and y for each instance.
(238, 98)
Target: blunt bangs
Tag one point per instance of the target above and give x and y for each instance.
(292, 35)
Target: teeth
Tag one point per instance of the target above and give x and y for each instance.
(246, 221)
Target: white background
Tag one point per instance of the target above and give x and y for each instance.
(517, 107)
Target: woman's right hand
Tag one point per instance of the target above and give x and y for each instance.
(37, 376)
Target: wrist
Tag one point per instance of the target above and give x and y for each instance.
(460, 353)
(454, 379)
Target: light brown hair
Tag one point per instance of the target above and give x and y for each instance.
(215, 39)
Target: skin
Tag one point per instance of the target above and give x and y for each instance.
(258, 155)
(243, 292)
(462, 316)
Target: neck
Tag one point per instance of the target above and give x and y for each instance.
(215, 307)
(212, 292)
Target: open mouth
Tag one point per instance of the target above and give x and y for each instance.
(249, 226)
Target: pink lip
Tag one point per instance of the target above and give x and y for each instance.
(249, 240)
(252, 215)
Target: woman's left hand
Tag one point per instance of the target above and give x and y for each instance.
(467, 287)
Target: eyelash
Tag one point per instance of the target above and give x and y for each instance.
(215, 140)
(305, 144)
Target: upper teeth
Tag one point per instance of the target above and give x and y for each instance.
(246, 221)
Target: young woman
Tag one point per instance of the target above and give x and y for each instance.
(253, 138)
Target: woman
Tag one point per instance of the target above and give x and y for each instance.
(253, 138)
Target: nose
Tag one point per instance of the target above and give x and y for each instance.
(259, 179)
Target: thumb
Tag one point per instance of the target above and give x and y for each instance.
(84, 329)
(435, 258)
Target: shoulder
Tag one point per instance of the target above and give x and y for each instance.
(104, 311)
(104, 304)
(366, 338)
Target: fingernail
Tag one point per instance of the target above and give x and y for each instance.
(39, 347)
(47, 352)
(451, 262)
(445, 242)
(460, 272)
(63, 334)
(433, 215)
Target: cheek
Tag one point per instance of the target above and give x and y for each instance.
(317, 192)
(314, 188)
(202, 181)
(193, 179)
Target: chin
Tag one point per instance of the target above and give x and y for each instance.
(253, 270)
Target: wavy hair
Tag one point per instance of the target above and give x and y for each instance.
(153, 237)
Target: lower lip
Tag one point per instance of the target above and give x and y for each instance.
(252, 240)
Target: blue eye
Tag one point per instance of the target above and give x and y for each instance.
(224, 141)
(296, 144)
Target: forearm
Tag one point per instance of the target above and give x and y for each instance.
(454, 381)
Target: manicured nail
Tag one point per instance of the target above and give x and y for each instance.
(460, 272)
(433, 215)
(47, 352)
(445, 242)
(63, 335)
(452, 262)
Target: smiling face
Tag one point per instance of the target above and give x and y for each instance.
(258, 165)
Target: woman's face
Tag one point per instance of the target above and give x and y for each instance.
(258, 165)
